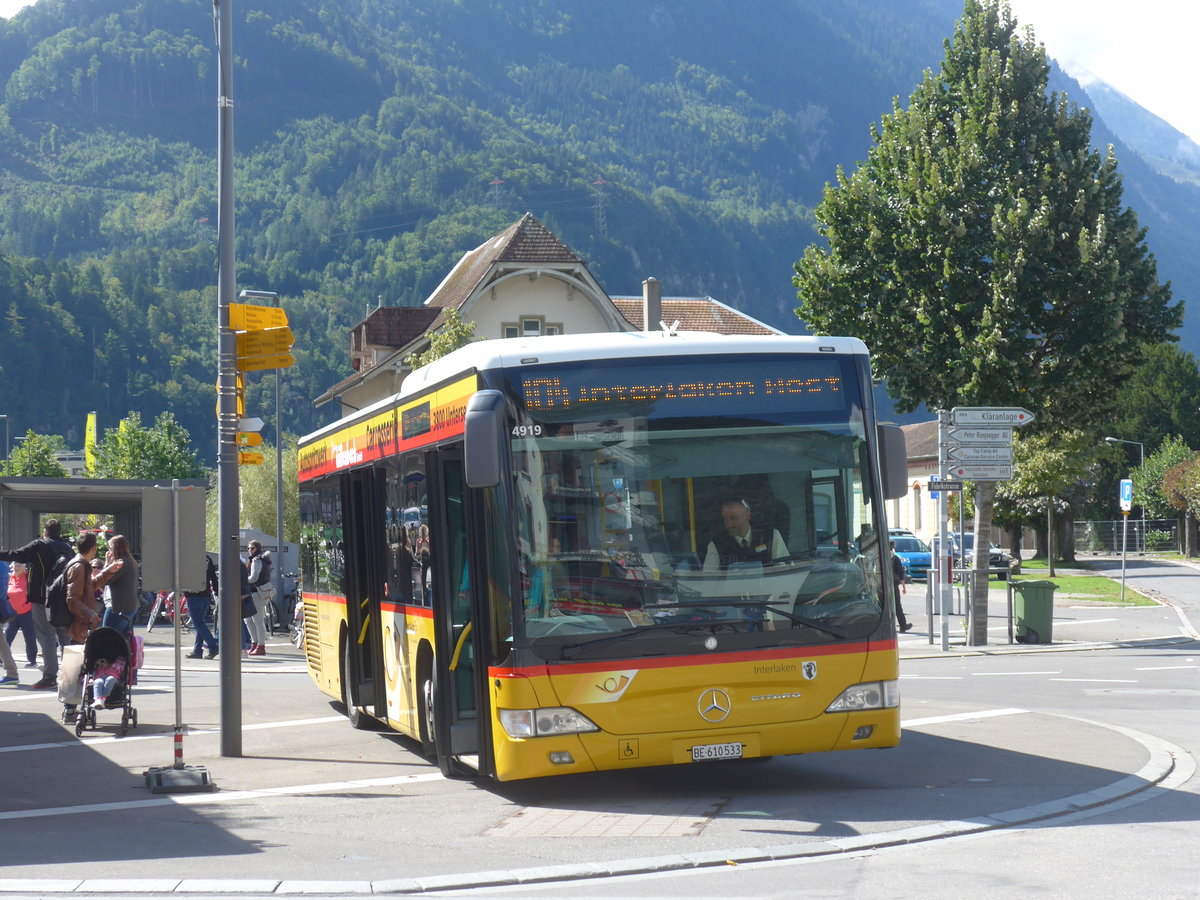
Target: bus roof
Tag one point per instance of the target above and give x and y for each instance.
(504, 352)
(493, 354)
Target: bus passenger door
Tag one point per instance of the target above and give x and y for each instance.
(456, 680)
(363, 500)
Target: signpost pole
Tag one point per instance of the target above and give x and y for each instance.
(1124, 541)
(943, 556)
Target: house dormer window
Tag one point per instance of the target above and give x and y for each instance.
(530, 326)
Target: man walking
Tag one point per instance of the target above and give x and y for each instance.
(40, 557)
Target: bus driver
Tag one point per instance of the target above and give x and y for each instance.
(741, 543)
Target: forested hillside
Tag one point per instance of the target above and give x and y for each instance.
(379, 139)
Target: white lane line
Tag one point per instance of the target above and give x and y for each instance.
(962, 717)
(984, 674)
(222, 797)
(1163, 668)
(169, 735)
(1099, 680)
(933, 677)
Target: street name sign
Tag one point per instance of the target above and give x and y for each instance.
(252, 423)
(981, 437)
(981, 472)
(936, 485)
(249, 458)
(979, 454)
(991, 415)
(246, 317)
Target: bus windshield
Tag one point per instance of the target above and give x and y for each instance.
(662, 513)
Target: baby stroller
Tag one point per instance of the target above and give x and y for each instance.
(110, 644)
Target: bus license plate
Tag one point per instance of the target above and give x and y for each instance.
(702, 752)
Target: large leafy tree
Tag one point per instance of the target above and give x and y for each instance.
(33, 457)
(134, 451)
(982, 250)
(1160, 398)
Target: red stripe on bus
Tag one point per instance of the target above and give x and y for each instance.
(672, 662)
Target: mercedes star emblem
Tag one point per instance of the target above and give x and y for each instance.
(714, 705)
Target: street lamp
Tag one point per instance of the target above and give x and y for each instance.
(1142, 450)
(278, 568)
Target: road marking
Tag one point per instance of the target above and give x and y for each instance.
(962, 717)
(1163, 668)
(934, 677)
(222, 797)
(1099, 680)
(170, 735)
(982, 674)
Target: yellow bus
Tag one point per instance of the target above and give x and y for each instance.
(579, 553)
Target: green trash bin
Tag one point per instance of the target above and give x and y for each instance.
(1034, 611)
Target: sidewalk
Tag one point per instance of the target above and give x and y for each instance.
(1078, 624)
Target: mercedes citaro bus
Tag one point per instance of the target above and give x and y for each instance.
(575, 553)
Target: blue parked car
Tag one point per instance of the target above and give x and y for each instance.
(914, 553)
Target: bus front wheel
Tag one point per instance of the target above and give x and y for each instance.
(358, 719)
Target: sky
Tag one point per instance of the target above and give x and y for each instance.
(1143, 48)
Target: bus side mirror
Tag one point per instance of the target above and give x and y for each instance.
(483, 439)
(893, 461)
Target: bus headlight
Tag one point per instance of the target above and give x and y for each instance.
(868, 695)
(526, 723)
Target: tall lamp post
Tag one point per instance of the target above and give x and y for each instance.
(277, 570)
(1142, 450)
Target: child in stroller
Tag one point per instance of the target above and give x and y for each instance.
(108, 676)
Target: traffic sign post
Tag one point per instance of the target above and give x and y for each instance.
(249, 458)
(974, 444)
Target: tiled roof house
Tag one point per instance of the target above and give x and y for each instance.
(521, 282)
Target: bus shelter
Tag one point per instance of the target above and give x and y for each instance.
(25, 501)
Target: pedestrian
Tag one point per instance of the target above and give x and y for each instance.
(262, 592)
(81, 592)
(18, 599)
(899, 577)
(199, 603)
(10, 666)
(120, 580)
(40, 557)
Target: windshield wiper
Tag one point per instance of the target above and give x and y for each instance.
(790, 616)
(568, 651)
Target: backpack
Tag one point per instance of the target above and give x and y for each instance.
(57, 611)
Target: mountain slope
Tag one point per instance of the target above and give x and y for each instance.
(379, 139)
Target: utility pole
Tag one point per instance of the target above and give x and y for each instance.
(227, 411)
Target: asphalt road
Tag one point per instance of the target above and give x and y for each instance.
(1020, 772)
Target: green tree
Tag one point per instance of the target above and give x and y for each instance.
(1160, 398)
(1148, 479)
(33, 457)
(1054, 473)
(258, 493)
(453, 334)
(982, 250)
(1181, 488)
(132, 450)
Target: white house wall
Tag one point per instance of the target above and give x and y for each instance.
(547, 297)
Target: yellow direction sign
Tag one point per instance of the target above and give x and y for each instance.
(257, 363)
(249, 458)
(241, 396)
(245, 317)
(268, 342)
(249, 438)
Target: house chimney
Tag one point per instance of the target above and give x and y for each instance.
(651, 303)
